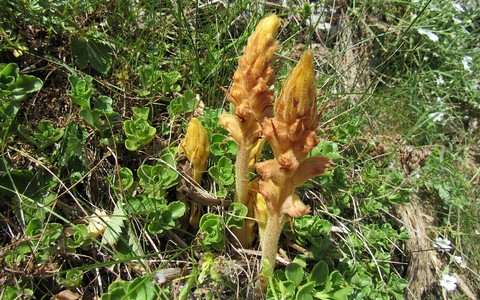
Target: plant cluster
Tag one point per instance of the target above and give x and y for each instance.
(125, 172)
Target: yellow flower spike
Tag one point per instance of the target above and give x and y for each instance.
(196, 147)
(297, 100)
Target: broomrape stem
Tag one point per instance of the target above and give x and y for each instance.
(241, 174)
(244, 234)
(270, 240)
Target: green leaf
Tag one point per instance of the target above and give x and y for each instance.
(15, 86)
(236, 215)
(342, 294)
(169, 80)
(141, 113)
(141, 288)
(319, 273)
(326, 149)
(52, 232)
(165, 217)
(177, 209)
(309, 228)
(115, 226)
(221, 145)
(103, 103)
(116, 290)
(142, 204)
(73, 152)
(223, 172)
(305, 291)
(294, 273)
(156, 179)
(93, 52)
(149, 77)
(211, 231)
(79, 237)
(139, 133)
(34, 227)
(134, 243)
(82, 90)
(73, 278)
(43, 136)
(122, 180)
(183, 104)
(14, 293)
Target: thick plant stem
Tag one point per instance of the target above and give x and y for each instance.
(241, 174)
(244, 234)
(270, 240)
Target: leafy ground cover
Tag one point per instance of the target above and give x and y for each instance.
(95, 196)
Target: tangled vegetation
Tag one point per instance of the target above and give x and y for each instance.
(161, 149)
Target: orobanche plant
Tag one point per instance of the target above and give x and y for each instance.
(290, 127)
(292, 135)
(252, 97)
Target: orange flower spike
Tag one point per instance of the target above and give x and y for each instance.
(250, 91)
(253, 99)
(292, 135)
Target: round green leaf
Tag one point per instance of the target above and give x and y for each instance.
(177, 209)
(319, 273)
(294, 273)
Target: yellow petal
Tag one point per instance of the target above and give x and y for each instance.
(261, 214)
(255, 152)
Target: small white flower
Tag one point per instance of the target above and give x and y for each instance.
(442, 244)
(440, 80)
(448, 282)
(432, 36)
(458, 7)
(459, 261)
(437, 117)
(324, 26)
(466, 63)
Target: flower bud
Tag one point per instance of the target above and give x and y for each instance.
(297, 100)
(196, 147)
